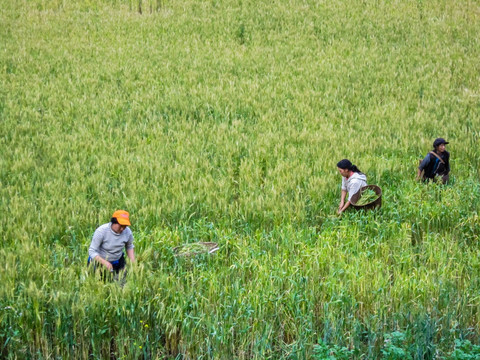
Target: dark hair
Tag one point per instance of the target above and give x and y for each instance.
(347, 164)
(114, 220)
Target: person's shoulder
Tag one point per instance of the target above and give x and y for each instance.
(103, 227)
(359, 177)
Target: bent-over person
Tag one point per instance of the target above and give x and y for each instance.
(352, 181)
(108, 243)
(436, 164)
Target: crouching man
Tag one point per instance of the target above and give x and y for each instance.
(108, 242)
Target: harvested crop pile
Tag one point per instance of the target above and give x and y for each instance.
(367, 197)
(193, 248)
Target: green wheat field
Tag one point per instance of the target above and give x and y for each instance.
(223, 121)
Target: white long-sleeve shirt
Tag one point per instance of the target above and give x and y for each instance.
(354, 183)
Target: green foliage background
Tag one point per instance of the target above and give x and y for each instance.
(222, 121)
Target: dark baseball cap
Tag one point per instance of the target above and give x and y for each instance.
(439, 141)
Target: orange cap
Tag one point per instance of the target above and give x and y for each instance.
(122, 217)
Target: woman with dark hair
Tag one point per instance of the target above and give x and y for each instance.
(352, 181)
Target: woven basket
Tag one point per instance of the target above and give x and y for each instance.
(210, 248)
(371, 205)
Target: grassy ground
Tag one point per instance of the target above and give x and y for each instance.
(223, 121)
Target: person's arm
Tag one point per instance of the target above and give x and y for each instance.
(129, 247)
(344, 194)
(131, 255)
(422, 166)
(345, 207)
(342, 201)
(419, 174)
(93, 252)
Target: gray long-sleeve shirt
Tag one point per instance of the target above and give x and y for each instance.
(108, 244)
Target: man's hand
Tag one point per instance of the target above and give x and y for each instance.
(105, 263)
(419, 175)
(108, 265)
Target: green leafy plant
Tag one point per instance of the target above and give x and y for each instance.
(324, 351)
(395, 347)
(465, 350)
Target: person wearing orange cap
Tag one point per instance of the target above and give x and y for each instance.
(109, 240)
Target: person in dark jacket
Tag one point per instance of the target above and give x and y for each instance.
(436, 163)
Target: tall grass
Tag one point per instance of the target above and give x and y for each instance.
(223, 121)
